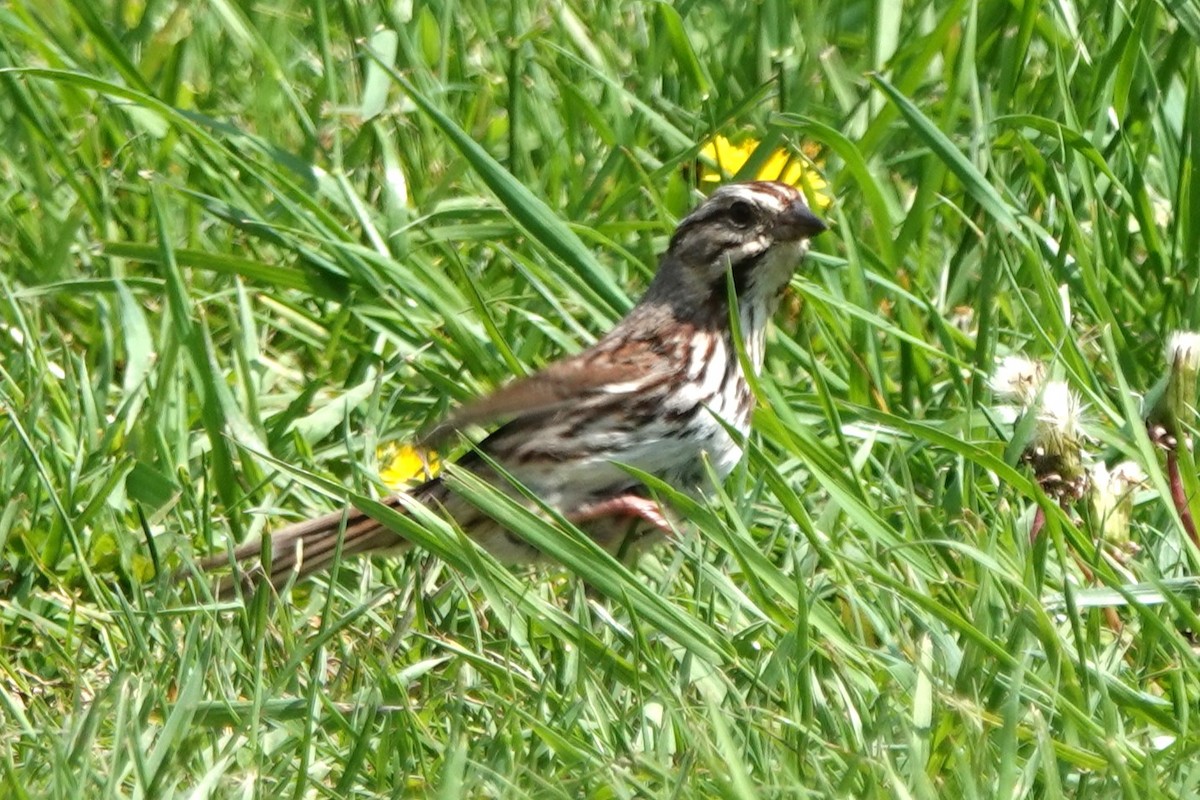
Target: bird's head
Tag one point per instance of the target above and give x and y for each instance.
(756, 232)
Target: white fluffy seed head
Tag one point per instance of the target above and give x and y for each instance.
(1171, 405)
(1183, 354)
(1060, 414)
(1111, 498)
(1018, 379)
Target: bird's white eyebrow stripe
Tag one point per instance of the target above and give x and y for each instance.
(774, 194)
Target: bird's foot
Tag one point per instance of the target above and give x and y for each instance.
(627, 505)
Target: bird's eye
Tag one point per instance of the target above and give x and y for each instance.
(741, 214)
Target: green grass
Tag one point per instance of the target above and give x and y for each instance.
(246, 244)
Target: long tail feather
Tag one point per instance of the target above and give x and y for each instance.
(304, 548)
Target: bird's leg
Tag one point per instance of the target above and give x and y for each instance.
(625, 505)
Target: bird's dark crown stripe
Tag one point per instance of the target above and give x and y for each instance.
(781, 192)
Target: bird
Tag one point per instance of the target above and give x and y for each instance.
(663, 391)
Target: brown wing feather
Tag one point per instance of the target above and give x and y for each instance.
(557, 385)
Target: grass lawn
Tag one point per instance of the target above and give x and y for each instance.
(247, 247)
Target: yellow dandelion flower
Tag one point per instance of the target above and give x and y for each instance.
(728, 157)
(404, 464)
(782, 166)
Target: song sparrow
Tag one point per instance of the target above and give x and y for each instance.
(651, 394)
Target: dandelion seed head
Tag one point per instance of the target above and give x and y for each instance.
(1183, 352)
(1112, 498)
(1017, 379)
(1059, 418)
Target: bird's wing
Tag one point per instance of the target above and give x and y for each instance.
(555, 387)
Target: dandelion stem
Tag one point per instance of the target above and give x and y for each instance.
(1179, 496)
(1039, 522)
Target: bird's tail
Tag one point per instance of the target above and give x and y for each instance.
(304, 548)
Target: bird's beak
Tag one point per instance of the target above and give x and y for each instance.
(797, 222)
